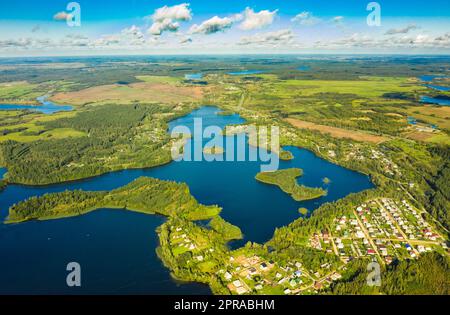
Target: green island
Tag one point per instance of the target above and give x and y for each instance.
(286, 155)
(303, 211)
(287, 180)
(145, 194)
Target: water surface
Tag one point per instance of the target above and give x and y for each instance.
(117, 248)
(434, 100)
(246, 72)
(46, 107)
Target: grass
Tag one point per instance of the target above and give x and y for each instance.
(337, 132)
(147, 92)
(32, 129)
(367, 87)
(19, 91)
(159, 79)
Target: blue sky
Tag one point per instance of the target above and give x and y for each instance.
(231, 26)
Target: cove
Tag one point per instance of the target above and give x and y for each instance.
(46, 107)
(116, 249)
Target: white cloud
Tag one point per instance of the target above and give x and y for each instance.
(62, 16)
(158, 28)
(167, 18)
(338, 19)
(284, 36)
(213, 25)
(256, 20)
(305, 18)
(420, 41)
(403, 30)
(180, 12)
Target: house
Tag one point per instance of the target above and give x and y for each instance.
(227, 275)
(237, 283)
(241, 290)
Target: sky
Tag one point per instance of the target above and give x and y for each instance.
(101, 27)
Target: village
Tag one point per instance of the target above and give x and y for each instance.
(381, 228)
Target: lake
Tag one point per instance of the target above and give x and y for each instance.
(2, 172)
(430, 77)
(434, 100)
(193, 76)
(246, 72)
(438, 87)
(47, 107)
(116, 248)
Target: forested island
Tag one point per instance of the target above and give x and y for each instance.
(287, 180)
(145, 194)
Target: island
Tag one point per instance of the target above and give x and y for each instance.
(286, 155)
(145, 194)
(287, 180)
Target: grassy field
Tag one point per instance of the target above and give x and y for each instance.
(153, 90)
(337, 132)
(21, 91)
(365, 87)
(31, 129)
(436, 115)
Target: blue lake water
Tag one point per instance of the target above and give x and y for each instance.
(429, 77)
(116, 249)
(438, 87)
(193, 76)
(434, 100)
(246, 72)
(2, 172)
(303, 68)
(46, 107)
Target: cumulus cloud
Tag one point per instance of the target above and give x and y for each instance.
(180, 12)
(158, 28)
(403, 30)
(213, 25)
(130, 36)
(305, 18)
(284, 36)
(167, 18)
(255, 20)
(62, 16)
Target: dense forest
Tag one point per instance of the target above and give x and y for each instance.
(145, 194)
(118, 137)
(427, 275)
